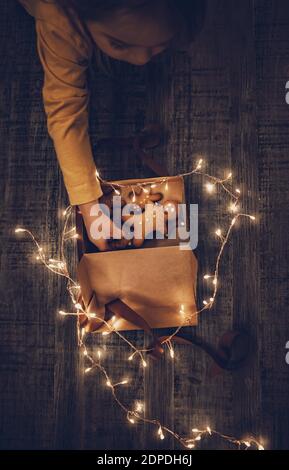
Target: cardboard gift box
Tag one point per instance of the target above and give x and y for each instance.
(153, 286)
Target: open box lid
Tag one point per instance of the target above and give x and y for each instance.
(155, 282)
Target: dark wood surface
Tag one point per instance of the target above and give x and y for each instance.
(224, 99)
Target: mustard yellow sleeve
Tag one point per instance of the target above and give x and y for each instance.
(66, 100)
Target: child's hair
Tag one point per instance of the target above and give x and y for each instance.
(191, 12)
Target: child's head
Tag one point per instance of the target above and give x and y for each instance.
(134, 31)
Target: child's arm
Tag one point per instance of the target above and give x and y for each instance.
(65, 60)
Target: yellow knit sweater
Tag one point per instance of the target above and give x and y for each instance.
(65, 50)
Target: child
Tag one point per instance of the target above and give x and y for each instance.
(68, 31)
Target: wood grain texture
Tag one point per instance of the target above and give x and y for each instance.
(225, 99)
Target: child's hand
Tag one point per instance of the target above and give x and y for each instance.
(105, 243)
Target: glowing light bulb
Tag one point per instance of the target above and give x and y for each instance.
(209, 430)
(210, 187)
(108, 383)
(87, 370)
(125, 381)
(17, 230)
(144, 363)
(260, 447)
(233, 208)
(160, 433)
(172, 353)
(190, 446)
(195, 430)
(139, 406)
(218, 232)
(252, 217)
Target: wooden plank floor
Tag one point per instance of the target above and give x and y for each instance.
(225, 100)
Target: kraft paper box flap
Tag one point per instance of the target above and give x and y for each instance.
(155, 282)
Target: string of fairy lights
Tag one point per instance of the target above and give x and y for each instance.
(93, 360)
